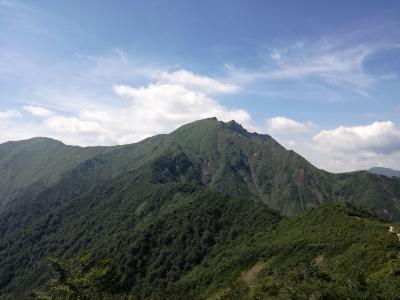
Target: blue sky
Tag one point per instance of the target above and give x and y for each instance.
(322, 77)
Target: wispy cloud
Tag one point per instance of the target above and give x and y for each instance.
(26, 17)
(113, 66)
(324, 62)
(38, 111)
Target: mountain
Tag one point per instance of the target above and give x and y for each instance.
(195, 207)
(221, 156)
(385, 171)
(35, 164)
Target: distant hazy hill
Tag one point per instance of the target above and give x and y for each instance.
(385, 171)
(185, 214)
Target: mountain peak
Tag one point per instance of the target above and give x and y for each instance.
(214, 124)
(37, 140)
(235, 126)
(34, 143)
(41, 139)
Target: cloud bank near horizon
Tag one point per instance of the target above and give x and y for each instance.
(162, 107)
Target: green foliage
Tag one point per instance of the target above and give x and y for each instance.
(331, 252)
(82, 278)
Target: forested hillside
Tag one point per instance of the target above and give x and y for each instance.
(209, 210)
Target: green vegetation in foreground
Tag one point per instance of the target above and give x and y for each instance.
(330, 252)
(81, 278)
(153, 242)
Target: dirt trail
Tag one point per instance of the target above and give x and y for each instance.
(250, 276)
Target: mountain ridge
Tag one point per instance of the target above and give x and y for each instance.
(258, 166)
(384, 171)
(166, 206)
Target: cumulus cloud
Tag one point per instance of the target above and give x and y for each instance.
(198, 82)
(38, 111)
(376, 138)
(167, 105)
(285, 125)
(159, 107)
(345, 149)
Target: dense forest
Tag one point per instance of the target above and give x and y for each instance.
(209, 211)
(330, 252)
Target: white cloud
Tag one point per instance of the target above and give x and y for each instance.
(73, 125)
(8, 114)
(375, 138)
(38, 111)
(354, 148)
(158, 107)
(328, 63)
(165, 105)
(285, 125)
(345, 149)
(153, 109)
(198, 82)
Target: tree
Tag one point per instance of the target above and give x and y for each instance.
(82, 278)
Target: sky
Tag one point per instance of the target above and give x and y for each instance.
(321, 77)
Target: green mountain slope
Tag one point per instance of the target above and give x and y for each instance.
(33, 165)
(181, 242)
(249, 165)
(225, 157)
(329, 252)
(167, 208)
(29, 203)
(154, 238)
